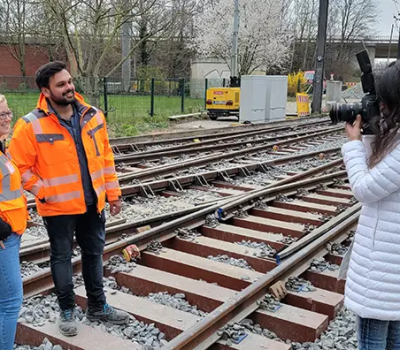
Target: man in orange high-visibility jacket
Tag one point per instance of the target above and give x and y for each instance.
(65, 159)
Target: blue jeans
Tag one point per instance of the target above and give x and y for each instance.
(10, 290)
(378, 335)
(89, 229)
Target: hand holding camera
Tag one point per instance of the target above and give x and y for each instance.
(354, 129)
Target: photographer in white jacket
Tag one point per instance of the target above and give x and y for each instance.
(373, 279)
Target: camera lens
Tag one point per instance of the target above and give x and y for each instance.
(344, 112)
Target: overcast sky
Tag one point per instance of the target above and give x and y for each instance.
(385, 21)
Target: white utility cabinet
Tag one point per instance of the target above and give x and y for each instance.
(263, 98)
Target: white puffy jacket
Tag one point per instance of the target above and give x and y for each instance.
(373, 278)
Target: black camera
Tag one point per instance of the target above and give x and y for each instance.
(368, 108)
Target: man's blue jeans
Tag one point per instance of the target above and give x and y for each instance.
(378, 335)
(10, 290)
(89, 229)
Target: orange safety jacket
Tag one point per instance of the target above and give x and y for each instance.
(13, 205)
(47, 158)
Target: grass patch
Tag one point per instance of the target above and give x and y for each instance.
(128, 115)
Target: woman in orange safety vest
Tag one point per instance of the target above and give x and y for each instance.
(13, 218)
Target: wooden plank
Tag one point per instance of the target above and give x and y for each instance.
(204, 246)
(288, 215)
(169, 320)
(252, 342)
(307, 207)
(289, 322)
(325, 280)
(269, 225)
(88, 338)
(305, 325)
(143, 280)
(326, 200)
(321, 301)
(196, 267)
(233, 234)
(336, 192)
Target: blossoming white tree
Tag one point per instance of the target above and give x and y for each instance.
(264, 40)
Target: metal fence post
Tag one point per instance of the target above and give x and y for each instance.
(183, 95)
(105, 97)
(205, 93)
(152, 97)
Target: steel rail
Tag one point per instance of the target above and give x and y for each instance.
(136, 158)
(150, 173)
(209, 176)
(168, 137)
(223, 138)
(39, 252)
(225, 211)
(42, 282)
(203, 334)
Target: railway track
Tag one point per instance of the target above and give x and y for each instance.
(247, 145)
(162, 140)
(155, 202)
(317, 141)
(145, 147)
(246, 219)
(225, 165)
(281, 230)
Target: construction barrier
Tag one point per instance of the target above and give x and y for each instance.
(303, 105)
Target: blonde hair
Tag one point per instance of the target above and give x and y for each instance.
(2, 98)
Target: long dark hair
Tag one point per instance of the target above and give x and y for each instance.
(386, 126)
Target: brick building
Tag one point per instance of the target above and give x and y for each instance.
(10, 71)
(35, 57)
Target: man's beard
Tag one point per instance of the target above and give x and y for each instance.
(64, 101)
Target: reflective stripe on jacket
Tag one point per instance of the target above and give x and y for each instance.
(13, 206)
(46, 156)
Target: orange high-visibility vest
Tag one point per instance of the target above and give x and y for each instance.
(13, 206)
(47, 158)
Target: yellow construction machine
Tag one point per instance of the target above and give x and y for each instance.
(224, 101)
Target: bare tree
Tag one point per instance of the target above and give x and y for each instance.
(303, 16)
(90, 30)
(349, 20)
(178, 62)
(17, 18)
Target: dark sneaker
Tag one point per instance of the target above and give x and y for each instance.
(107, 314)
(67, 324)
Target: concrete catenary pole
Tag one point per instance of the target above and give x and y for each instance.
(320, 59)
(234, 56)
